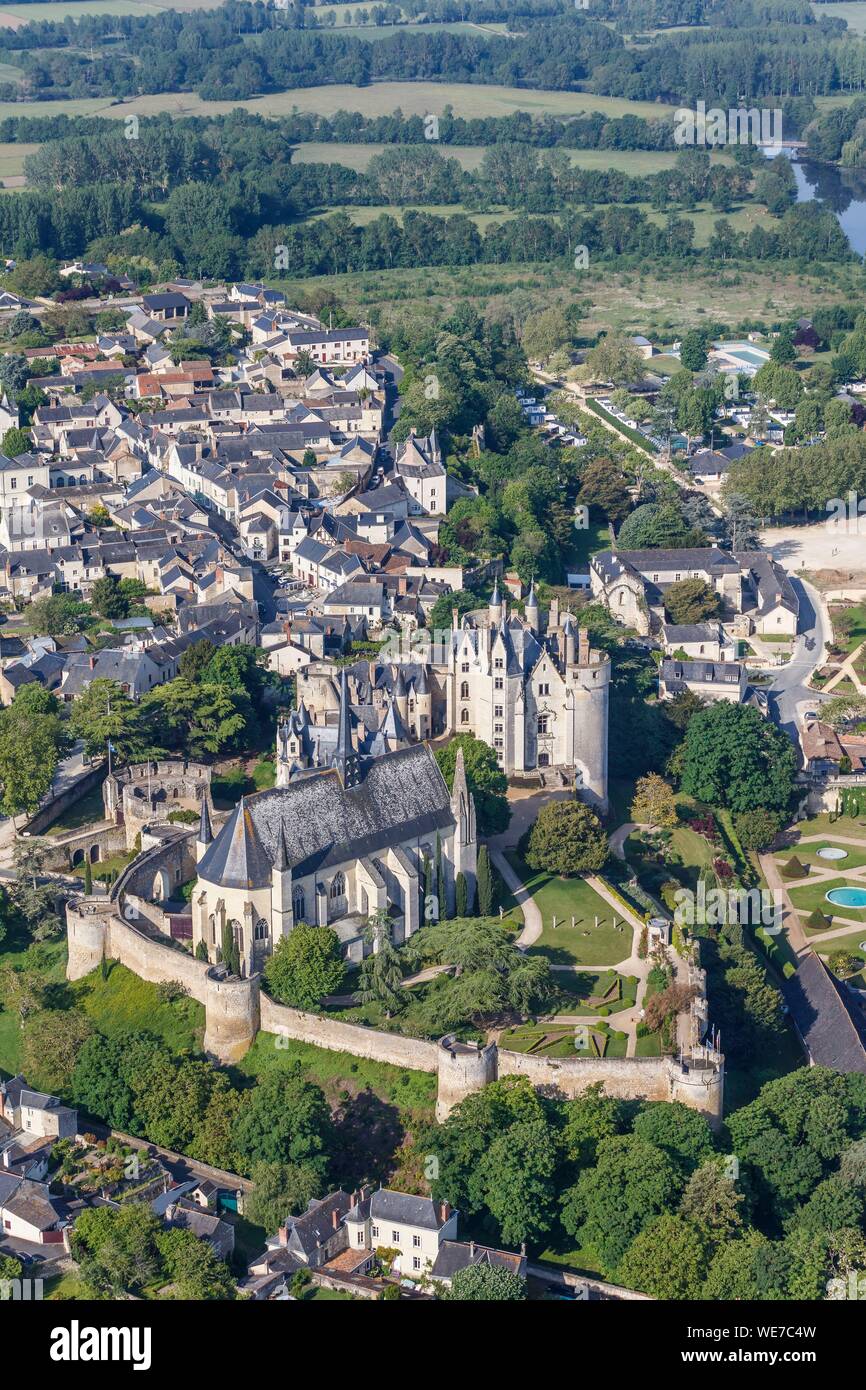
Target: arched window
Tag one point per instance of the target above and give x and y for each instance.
(338, 886)
(299, 905)
(464, 690)
(464, 716)
(261, 929)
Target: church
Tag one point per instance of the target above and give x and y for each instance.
(337, 843)
(387, 707)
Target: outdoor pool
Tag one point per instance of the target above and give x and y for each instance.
(830, 852)
(847, 897)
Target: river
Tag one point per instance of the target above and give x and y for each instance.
(842, 190)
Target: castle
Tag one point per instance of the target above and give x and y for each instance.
(539, 698)
(354, 837)
(537, 693)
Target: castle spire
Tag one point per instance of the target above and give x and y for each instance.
(345, 759)
(205, 832)
(281, 863)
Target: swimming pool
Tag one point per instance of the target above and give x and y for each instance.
(847, 897)
(744, 352)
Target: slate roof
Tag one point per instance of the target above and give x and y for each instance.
(400, 795)
(826, 1016)
(399, 1208)
(455, 1255)
(707, 672)
(316, 1226)
(679, 633)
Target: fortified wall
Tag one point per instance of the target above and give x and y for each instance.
(236, 1009)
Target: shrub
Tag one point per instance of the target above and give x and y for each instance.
(818, 920)
(794, 868)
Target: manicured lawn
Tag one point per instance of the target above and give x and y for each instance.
(856, 612)
(854, 827)
(650, 1046)
(811, 895)
(231, 783)
(123, 1002)
(808, 854)
(565, 1040)
(576, 992)
(584, 943)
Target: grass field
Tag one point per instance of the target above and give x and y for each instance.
(15, 16)
(808, 854)
(12, 156)
(469, 157)
(807, 897)
(49, 961)
(852, 11)
(585, 943)
(380, 98)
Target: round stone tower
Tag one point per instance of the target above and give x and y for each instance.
(463, 1069)
(86, 935)
(589, 678)
(231, 1015)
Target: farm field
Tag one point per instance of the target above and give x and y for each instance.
(15, 16)
(638, 301)
(635, 162)
(12, 159)
(380, 98)
(852, 11)
(363, 216)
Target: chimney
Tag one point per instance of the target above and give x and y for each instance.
(553, 615)
(472, 1249)
(335, 1219)
(455, 618)
(92, 662)
(444, 1212)
(582, 647)
(283, 1235)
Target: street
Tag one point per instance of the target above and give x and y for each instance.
(789, 694)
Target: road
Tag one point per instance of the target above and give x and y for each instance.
(68, 769)
(789, 692)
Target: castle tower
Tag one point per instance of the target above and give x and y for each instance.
(533, 617)
(588, 686)
(401, 695)
(282, 919)
(205, 832)
(465, 838)
(423, 706)
(569, 633)
(345, 758)
(495, 607)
